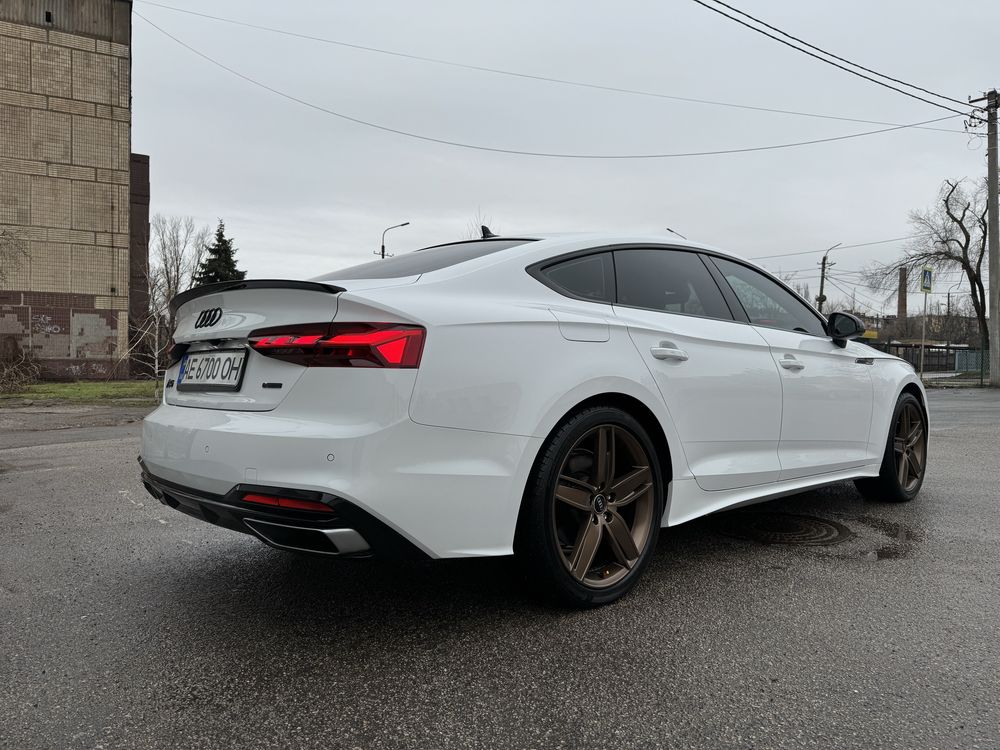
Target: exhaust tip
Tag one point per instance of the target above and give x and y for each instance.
(303, 539)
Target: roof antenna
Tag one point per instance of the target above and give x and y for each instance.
(487, 234)
(677, 233)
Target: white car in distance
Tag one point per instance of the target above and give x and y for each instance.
(560, 398)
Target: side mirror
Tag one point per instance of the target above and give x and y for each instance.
(842, 327)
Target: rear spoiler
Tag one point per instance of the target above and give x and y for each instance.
(230, 286)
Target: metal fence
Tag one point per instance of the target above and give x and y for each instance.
(971, 360)
(938, 358)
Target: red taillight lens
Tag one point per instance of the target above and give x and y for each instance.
(344, 345)
(287, 502)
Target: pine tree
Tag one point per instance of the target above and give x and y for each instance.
(220, 262)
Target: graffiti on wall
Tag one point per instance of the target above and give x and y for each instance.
(67, 342)
(44, 324)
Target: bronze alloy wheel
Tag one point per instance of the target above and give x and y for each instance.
(602, 505)
(910, 447)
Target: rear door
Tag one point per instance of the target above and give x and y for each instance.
(716, 375)
(828, 392)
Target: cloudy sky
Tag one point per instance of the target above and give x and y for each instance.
(304, 192)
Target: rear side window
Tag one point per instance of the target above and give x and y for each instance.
(767, 303)
(590, 277)
(670, 281)
(422, 261)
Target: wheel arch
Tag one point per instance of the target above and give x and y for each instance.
(628, 404)
(918, 392)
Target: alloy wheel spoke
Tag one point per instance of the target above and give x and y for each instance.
(904, 423)
(605, 459)
(574, 482)
(914, 464)
(901, 466)
(573, 495)
(915, 435)
(632, 485)
(622, 544)
(586, 548)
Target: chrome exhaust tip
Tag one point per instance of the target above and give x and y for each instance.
(305, 539)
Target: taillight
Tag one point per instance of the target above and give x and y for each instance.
(343, 344)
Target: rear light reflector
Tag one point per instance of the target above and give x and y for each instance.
(387, 345)
(287, 502)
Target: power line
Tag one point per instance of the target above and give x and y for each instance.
(838, 57)
(855, 285)
(492, 149)
(860, 301)
(528, 76)
(842, 247)
(828, 62)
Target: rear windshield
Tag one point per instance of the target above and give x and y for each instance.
(422, 261)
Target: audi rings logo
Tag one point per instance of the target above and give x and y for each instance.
(208, 318)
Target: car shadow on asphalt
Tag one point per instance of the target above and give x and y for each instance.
(278, 588)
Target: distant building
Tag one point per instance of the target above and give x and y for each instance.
(71, 193)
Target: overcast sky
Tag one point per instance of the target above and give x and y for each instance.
(303, 192)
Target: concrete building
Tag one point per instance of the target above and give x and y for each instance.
(67, 192)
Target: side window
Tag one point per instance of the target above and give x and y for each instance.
(589, 276)
(766, 302)
(671, 281)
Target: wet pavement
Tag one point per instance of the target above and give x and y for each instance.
(817, 620)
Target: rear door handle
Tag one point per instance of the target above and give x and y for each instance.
(790, 363)
(668, 350)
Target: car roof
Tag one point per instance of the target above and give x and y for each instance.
(528, 248)
(545, 242)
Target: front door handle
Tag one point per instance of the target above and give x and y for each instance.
(790, 363)
(668, 350)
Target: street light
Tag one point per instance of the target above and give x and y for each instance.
(822, 277)
(394, 226)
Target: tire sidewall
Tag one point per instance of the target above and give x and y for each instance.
(540, 532)
(889, 469)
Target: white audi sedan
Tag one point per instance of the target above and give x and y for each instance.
(556, 397)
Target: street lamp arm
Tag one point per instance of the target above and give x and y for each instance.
(394, 226)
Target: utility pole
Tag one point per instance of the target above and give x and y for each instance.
(822, 277)
(902, 329)
(993, 231)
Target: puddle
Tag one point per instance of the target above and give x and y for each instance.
(848, 538)
(899, 541)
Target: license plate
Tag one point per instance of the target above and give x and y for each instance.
(217, 370)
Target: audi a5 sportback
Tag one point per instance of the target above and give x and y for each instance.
(561, 398)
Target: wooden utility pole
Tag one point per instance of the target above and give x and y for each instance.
(822, 278)
(993, 231)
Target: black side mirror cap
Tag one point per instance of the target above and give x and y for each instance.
(843, 327)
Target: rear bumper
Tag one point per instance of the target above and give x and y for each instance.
(444, 492)
(346, 531)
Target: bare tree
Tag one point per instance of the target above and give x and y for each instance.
(952, 234)
(13, 254)
(175, 253)
(176, 250)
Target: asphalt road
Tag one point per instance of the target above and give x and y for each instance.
(124, 624)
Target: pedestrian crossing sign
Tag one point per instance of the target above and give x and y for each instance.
(926, 277)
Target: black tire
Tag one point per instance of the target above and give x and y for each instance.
(632, 503)
(900, 482)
